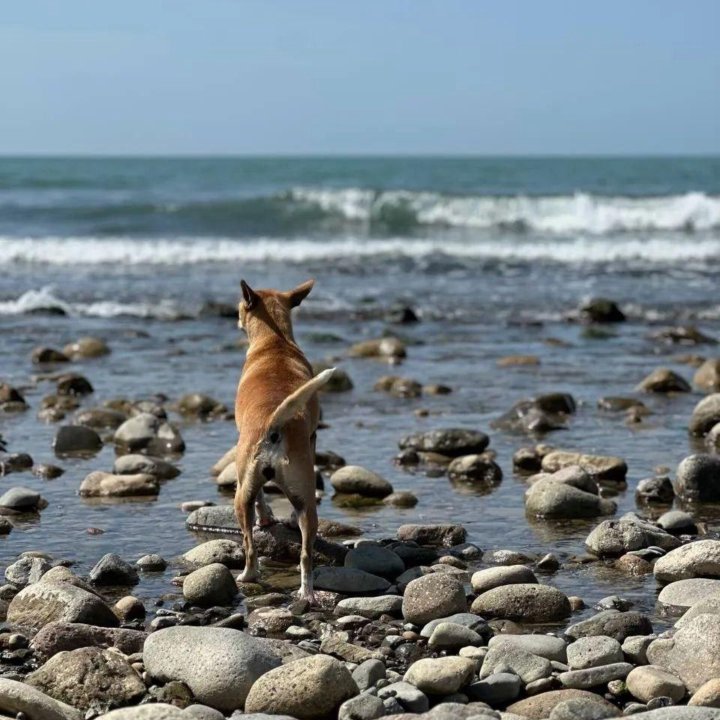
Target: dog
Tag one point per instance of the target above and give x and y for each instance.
(277, 414)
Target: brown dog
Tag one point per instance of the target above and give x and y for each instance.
(277, 412)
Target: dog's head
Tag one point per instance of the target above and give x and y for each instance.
(270, 308)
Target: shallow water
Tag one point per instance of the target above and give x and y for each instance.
(481, 294)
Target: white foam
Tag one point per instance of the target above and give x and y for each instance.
(74, 252)
(580, 212)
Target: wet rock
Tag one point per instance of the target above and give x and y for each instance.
(475, 470)
(410, 698)
(73, 384)
(453, 442)
(650, 682)
(523, 602)
(601, 310)
(612, 538)
(440, 676)
(26, 571)
(100, 418)
(599, 467)
(655, 491)
(46, 601)
(696, 559)
(101, 484)
(592, 651)
(219, 665)
(72, 439)
(89, 676)
(487, 579)
(613, 403)
(6, 527)
(527, 416)
(540, 706)
(47, 471)
(44, 355)
(402, 499)
(594, 676)
(339, 382)
(433, 596)
(354, 479)
(148, 432)
(399, 386)
(705, 415)
(566, 493)
(311, 688)
(228, 476)
(387, 347)
(144, 464)
(227, 552)
(10, 399)
(433, 535)
(111, 569)
(15, 462)
(707, 376)
(684, 335)
(614, 624)
(22, 699)
(210, 585)
(349, 581)
(681, 594)
(129, 608)
(698, 478)
(199, 406)
(664, 380)
(712, 439)
(21, 500)
(376, 560)
(86, 347)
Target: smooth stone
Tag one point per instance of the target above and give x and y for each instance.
(154, 711)
(102, 484)
(349, 581)
(490, 578)
(353, 479)
(210, 585)
(677, 522)
(100, 418)
(466, 619)
(649, 682)
(497, 689)
(362, 707)
(367, 674)
(475, 470)
(705, 415)
(612, 538)
(147, 431)
(19, 697)
(86, 347)
(224, 551)
(696, 559)
(26, 571)
(594, 676)
(314, 687)
(440, 676)
(697, 478)
(599, 467)
(655, 490)
(219, 665)
(22, 499)
(707, 376)
(410, 698)
(506, 658)
(540, 706)
(546, 646)
(433, 596)
(152, 563)
(70, 439)
(615, 624)
(111, 569)
(582, 710)
(371, 607)
(433, 535)
(523, 602)
(453, 442)
(450, 636)
(135, 464)
(682, 594)
(678, 713)
(635, 647)
(592, 651)
(663, 380)
(707, 695)
(376, 560)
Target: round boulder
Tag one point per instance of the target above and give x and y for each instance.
(353, 479)
(524, 602)
(433, 596)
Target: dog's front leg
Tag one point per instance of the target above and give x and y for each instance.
(308, 522)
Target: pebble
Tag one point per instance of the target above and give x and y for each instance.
(371, 607)
(226, 552)
(503, 658)
(111, 569)
(152, 563)
(614, 624)
(487, 579)
(593, 651)
(433, 596)
(102, 484)
(649, 682)
(352, 479)
(440, 676)
(210, 585)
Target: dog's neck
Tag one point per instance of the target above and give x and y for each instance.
(265, 325)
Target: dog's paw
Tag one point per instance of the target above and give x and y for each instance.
(266, 521)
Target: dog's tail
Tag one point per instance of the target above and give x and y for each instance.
(295, 402)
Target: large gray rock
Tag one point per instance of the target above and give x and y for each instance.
(376, 560)
(547, 646)
(649, 682)
(135, 464)
(210, 585)
(433, 596)
(592, 651)
(696, 559)
(453, 442)
(555, 496)
(111, 569)
(594, 676)
(525, 602)
(371, 607)
(102, 484)
(682, 594)
(349, 581)
(434, 535)
(489, 578)
(222, 550)
(154, 711)
(89, 676)
(362, 707)
(219, 665)
(706, 606)
(19, 697)
(26, 571)
(21, 500)
(663, 380)
(76, 439)
(698, 478)
(692, 653)
(146, 431)
(314, 687)
(440, 676)
(410, 698)
(45, 602)
(451, 636)
(56, 637)
(612, 538)
(705, 415)
(525, 665)
(614, 624)
(599, 467)
(353, 479)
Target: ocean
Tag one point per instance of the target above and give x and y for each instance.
(492, 254)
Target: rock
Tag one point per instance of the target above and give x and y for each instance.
(314, 687)
(525, 665)
(582, 710)
(210, 585)
(707, 376)
(475, 470)
(706, 606)
(592, 651)
(129, 608)
(15, 462)
(349, 581)
(540, 706)
(362, 707)
(100, 418)
(465, 619)
(26, 571)
(47, 471)
(76, 439)
(599, 467)
(353, 479)
(614, 624)
(677, 713)
(368, 673)
(558, 496)
(199, 406)
(146, 431)
(698, 478)
(440, 676)
(612, 538)
(411, 699)
(46, 601)
(228, 476)
(10, 399)
(154, 711)
(696, 559)
(649, 682)
(376, 560)
(89, 676)
(73, 384)
(451, 636)
(523, 602)
(21, 698)
(707, 695)
(529, 416)
(371, 607)
(433, 596)
(594, 676)
(402, 498)
(487, 579)
(152, 563)
(201, 712)
(111, 569)
(657, 490)
(227, 552)
(21, 500)
(219, 665)
(682, 594)
(705, 415)
(340, 381)
(44, 355)
(86, 347)
(677, 522)
(497, 689)
(453, 442)
(145, 465)
(102, 484)
(545, 646)
(387, 347)
(663, 380)
(434, 535)
(601, 310)
(399, 386)
(712, 439)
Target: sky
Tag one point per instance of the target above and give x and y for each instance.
(369, 77)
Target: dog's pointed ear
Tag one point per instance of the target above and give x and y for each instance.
(249, 295)
(297, 295)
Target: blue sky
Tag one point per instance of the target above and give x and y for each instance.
(368, 77)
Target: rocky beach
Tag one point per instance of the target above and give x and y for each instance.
(518, 466)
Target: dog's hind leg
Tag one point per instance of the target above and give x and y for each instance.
(245, 512)
(308, 522)
(264, 512)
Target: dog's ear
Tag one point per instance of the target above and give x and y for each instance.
(249, 295)
(297, 295)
